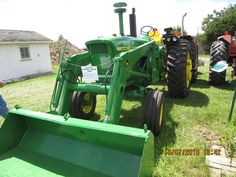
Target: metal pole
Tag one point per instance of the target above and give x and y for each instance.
(121, 23)
(232, 105)
(182, 26)
(120, 9)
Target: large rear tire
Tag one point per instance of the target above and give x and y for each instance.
(194, 57)
(179, 68)
(83, 105)
(154, 111)
(218, 53)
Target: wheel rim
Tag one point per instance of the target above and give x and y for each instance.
(87, 103)
(188, 70)
(161, 114)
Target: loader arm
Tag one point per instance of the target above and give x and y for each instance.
(67, 73)
(122, 70)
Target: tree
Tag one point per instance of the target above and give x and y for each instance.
(214, 25)
(178, 28)
(60, 37)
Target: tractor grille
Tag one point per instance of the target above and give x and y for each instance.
(98, 49)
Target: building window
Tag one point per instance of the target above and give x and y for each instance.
(24, 52)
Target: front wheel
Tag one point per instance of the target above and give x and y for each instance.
(83, 105)
(154, 111)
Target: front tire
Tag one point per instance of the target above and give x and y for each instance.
(154, 111)
(83, 105)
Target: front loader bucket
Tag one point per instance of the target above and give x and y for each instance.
(41, 144)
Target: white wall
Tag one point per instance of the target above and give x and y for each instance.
(12, 66)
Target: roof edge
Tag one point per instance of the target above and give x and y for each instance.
(26, 42)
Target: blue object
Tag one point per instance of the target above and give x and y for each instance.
(220, 66)
(3, 107)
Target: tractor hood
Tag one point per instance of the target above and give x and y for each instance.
(117, 43)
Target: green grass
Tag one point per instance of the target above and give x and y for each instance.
(194, 122)
(203, 56)
(32, 94)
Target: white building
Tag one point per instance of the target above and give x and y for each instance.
(23, 53)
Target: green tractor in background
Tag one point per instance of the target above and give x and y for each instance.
(66, 142)
(182, 62)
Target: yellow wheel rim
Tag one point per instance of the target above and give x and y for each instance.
(188, 70)
(161, 114)
(87, 103)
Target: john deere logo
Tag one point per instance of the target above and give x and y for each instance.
(126, 63)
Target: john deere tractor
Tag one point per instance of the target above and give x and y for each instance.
(182, 62)
(180, 59)
(65, 142)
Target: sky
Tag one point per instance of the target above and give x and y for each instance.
(83, 20)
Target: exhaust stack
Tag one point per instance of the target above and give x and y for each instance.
(132, 23)
(182, 27)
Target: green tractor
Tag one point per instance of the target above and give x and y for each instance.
(65, 142)
(182, 62)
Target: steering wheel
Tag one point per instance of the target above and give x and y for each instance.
(145, 30)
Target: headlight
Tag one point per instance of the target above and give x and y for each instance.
(168, 39)
(175, 39)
